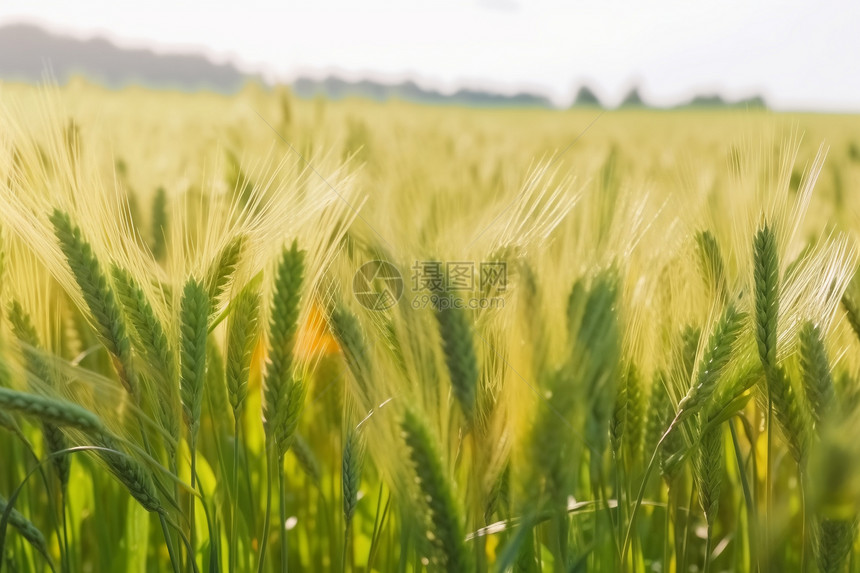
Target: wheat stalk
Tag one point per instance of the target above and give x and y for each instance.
(635, 416)
(444, 528)
(194, 315)
(659, 414)
(55, 440)
(242, 334)
(159, 224)
(815, 369)
(307, 459)
(353, 346)
(596, 354)
(224, 266)
(8, 422)
(791, 415)
(852, 313)
(714, 360)
(100, 298)
(834, 540)
(352, 464)
(152, 339)
(54, 411)
(711, 263)
(62, 413)
(618, 420)
(709, 468)
(27, 529)
(456, 334)
(132, 474)
(766, 278)
(152, 344)
(709, 471)
(283, 393)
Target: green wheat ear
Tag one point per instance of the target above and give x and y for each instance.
(136, 478)
(99, 297)
(55, 440)
(352, 465)
(635, 414)
(223, 267)
(709, 470)
(9, 423)
(457, 344)
(306, 458)
(714, 361)
(243, 330)
(133, 475)
(350, 338)
(834, 539)
(766, 277)
(659, 414)
(790, 414)
(618, 421)
(292, 403)
(151, 338)
(150, 343)
(159, 224)
(688, 349)
(216, 380)
(815, 368)
(26, 529)
(194, 315)
(596, 350)
(444, 526)
(852, 313)
(283, 394)
(711, 262)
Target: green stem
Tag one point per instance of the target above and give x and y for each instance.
(171, 550)
(345, 546)
(619, 506)
(641, 495)
(265, 542)
(192, 544)
(768, 508)
(668, 532)
(282, 526)
(378, 525)
(752, 523)
(683, 565)
(174, 470)
(233, 536)
(168, 539)
(707, 565)
(64, 558)
(802, 520)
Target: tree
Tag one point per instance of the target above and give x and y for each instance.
(632, 99)
(586, 97)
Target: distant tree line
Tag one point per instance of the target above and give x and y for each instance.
(586, 97)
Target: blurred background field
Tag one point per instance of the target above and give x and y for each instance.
(474, 152)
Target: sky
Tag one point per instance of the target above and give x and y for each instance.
(798, 55)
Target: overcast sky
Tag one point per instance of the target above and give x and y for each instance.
(799, 55)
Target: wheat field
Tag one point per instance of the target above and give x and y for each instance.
(260, 333)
